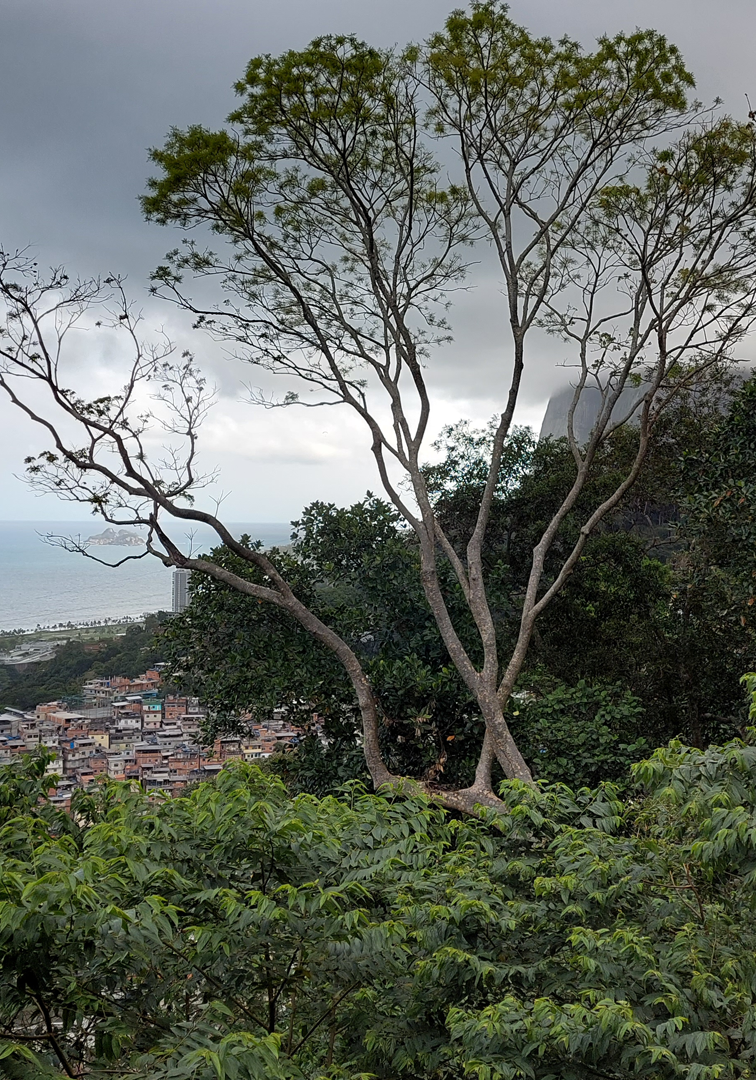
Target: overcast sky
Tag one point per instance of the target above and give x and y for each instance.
(86, 86)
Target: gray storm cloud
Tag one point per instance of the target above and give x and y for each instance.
(88, 86)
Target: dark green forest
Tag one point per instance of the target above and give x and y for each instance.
(646, 643)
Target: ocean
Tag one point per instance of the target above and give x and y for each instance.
(42, 585)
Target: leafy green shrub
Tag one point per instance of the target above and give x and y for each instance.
(580, 735)
(239, 933)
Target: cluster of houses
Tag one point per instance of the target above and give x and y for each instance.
(127, 729)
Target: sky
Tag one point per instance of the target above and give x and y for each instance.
(87, 86)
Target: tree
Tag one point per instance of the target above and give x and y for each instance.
(357, 569)
(720, 510)
(622, 220)
(640, 647)
(659, 601)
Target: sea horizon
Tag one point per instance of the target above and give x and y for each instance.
(42, 585)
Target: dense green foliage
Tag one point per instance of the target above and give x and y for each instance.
(715, 584)
(239, 933)
(75, 662)
(582, 734)
(655, 615)
(358, 570)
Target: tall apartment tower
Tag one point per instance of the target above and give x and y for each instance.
(180, 591)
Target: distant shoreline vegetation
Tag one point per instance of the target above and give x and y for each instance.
(54, 629)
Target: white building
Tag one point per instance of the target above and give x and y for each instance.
(180, 591)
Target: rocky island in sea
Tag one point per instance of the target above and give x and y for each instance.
(122, 538)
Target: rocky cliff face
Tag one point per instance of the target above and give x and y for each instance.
(555, 420)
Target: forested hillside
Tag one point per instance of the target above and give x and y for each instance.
(75, 662)
(647, 641)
